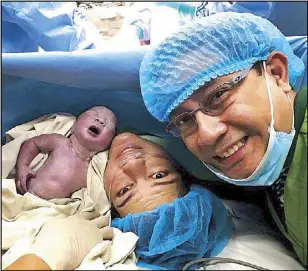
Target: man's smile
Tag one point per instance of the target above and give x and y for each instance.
(232, 154)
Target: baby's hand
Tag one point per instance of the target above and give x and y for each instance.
(24, 173)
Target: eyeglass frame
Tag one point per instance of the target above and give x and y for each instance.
(238, 78)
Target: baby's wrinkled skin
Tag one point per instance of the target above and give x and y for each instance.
(65, 170)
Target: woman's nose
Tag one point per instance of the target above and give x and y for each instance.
(210, 128)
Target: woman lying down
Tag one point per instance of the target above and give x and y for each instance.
(174, 225)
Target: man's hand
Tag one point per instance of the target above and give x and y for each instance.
(24, 173)
(64, 242)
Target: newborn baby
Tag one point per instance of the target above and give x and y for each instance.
(65, 170)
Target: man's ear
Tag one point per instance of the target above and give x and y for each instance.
(277, 67)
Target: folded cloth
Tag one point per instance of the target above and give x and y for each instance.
(23, 216)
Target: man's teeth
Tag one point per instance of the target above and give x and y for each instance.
(233, 149)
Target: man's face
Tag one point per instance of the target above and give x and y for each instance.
(236, 140)
(139, 175)
(95, 128)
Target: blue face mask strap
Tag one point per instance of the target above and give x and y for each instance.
(217, 260)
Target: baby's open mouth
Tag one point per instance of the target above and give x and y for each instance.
(94, 130)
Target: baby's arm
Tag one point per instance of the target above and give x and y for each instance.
(29, 149)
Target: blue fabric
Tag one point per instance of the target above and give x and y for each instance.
(276, 12)
(194, 226)
(54, 26)
(296, 11)
(168, 16)
(190, 10)
(299, 46)
(35, 84)
(259, 8)
(201, 51)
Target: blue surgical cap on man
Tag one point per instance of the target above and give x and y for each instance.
(191, 227)
(214, 46)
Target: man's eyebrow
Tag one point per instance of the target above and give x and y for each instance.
(163, 183)
(209, 85)
(179, 110)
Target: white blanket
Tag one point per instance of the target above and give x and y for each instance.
(23, 216)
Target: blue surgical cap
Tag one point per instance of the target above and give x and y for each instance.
(191, 227)
(214, 46)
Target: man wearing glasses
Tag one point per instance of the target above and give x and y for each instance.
(225, 85)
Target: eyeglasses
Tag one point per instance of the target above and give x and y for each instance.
(213, 103)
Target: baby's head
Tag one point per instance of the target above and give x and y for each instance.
(95, 128)
(140, 175)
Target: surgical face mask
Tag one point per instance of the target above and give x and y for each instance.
(273, 160)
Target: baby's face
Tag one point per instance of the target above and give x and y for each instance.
(95, 128)
(139, 175)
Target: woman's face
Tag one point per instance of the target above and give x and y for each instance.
(139, 175)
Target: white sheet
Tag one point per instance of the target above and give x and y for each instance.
(254, 241)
